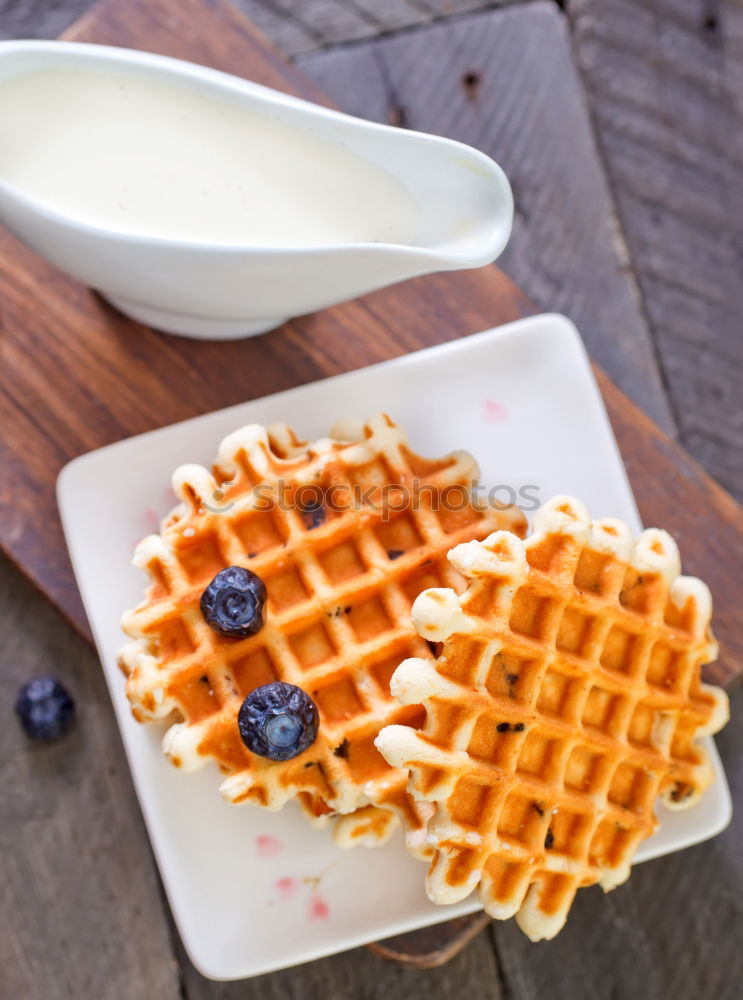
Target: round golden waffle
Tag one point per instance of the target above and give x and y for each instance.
(345, 534)
(566, 698)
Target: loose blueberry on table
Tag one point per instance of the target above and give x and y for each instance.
(45, 709)
(278, 721)
(234, 602)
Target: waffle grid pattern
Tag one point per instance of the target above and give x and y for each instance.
(340, 587)
(566, 698)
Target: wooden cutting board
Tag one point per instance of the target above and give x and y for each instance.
(77, 376)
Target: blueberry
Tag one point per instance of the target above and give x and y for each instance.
(233, 602)
(312, 514)
(278, 721)
(45, 708)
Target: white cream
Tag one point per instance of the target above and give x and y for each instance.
(145, 157)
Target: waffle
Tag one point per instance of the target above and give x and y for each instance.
(331, 530)
(566, 698)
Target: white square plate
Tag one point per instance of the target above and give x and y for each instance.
(254, 891)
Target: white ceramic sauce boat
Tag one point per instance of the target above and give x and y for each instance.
(462, 211)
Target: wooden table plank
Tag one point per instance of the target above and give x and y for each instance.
(294, 28)
(106, 939)
(665, 469)
(665, 83)
(38, 18)
(81, 909)
(319, 24)
(352, 974)
(361, 975)
(214, 34)
(106, 344)
(665, 79)
(171, 379)
(128, 379)
(467, 78)
(427, 948)
(387, 324)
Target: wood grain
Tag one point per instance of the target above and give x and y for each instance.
(466, 79)
(302, 351)
(44, 432)
(294, 27)
(125, 379)
(81, 910)
(676, 493)
(665, 84)
(670, 923)
(212, 34)
(78, 319)
(318, 24)
(38, 18)
(362, 975)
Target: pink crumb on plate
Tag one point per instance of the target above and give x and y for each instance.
(150, 521)
(146, 523)
(494, 411)
(268, 846)
(286, 887)
(319, 909)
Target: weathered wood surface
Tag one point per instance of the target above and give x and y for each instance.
(361, 975)
(663, 79)
(38, 18)
(82, 916)
(137, 377)
(294, 27)
(35, 533)
(318, 24)
(467, 79)
(675, 492)
(668, 932)
(81, 912)
(432, 946)
(665, 83)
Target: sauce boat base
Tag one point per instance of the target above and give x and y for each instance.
(193, 327)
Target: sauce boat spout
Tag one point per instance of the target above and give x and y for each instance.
(208, 206)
